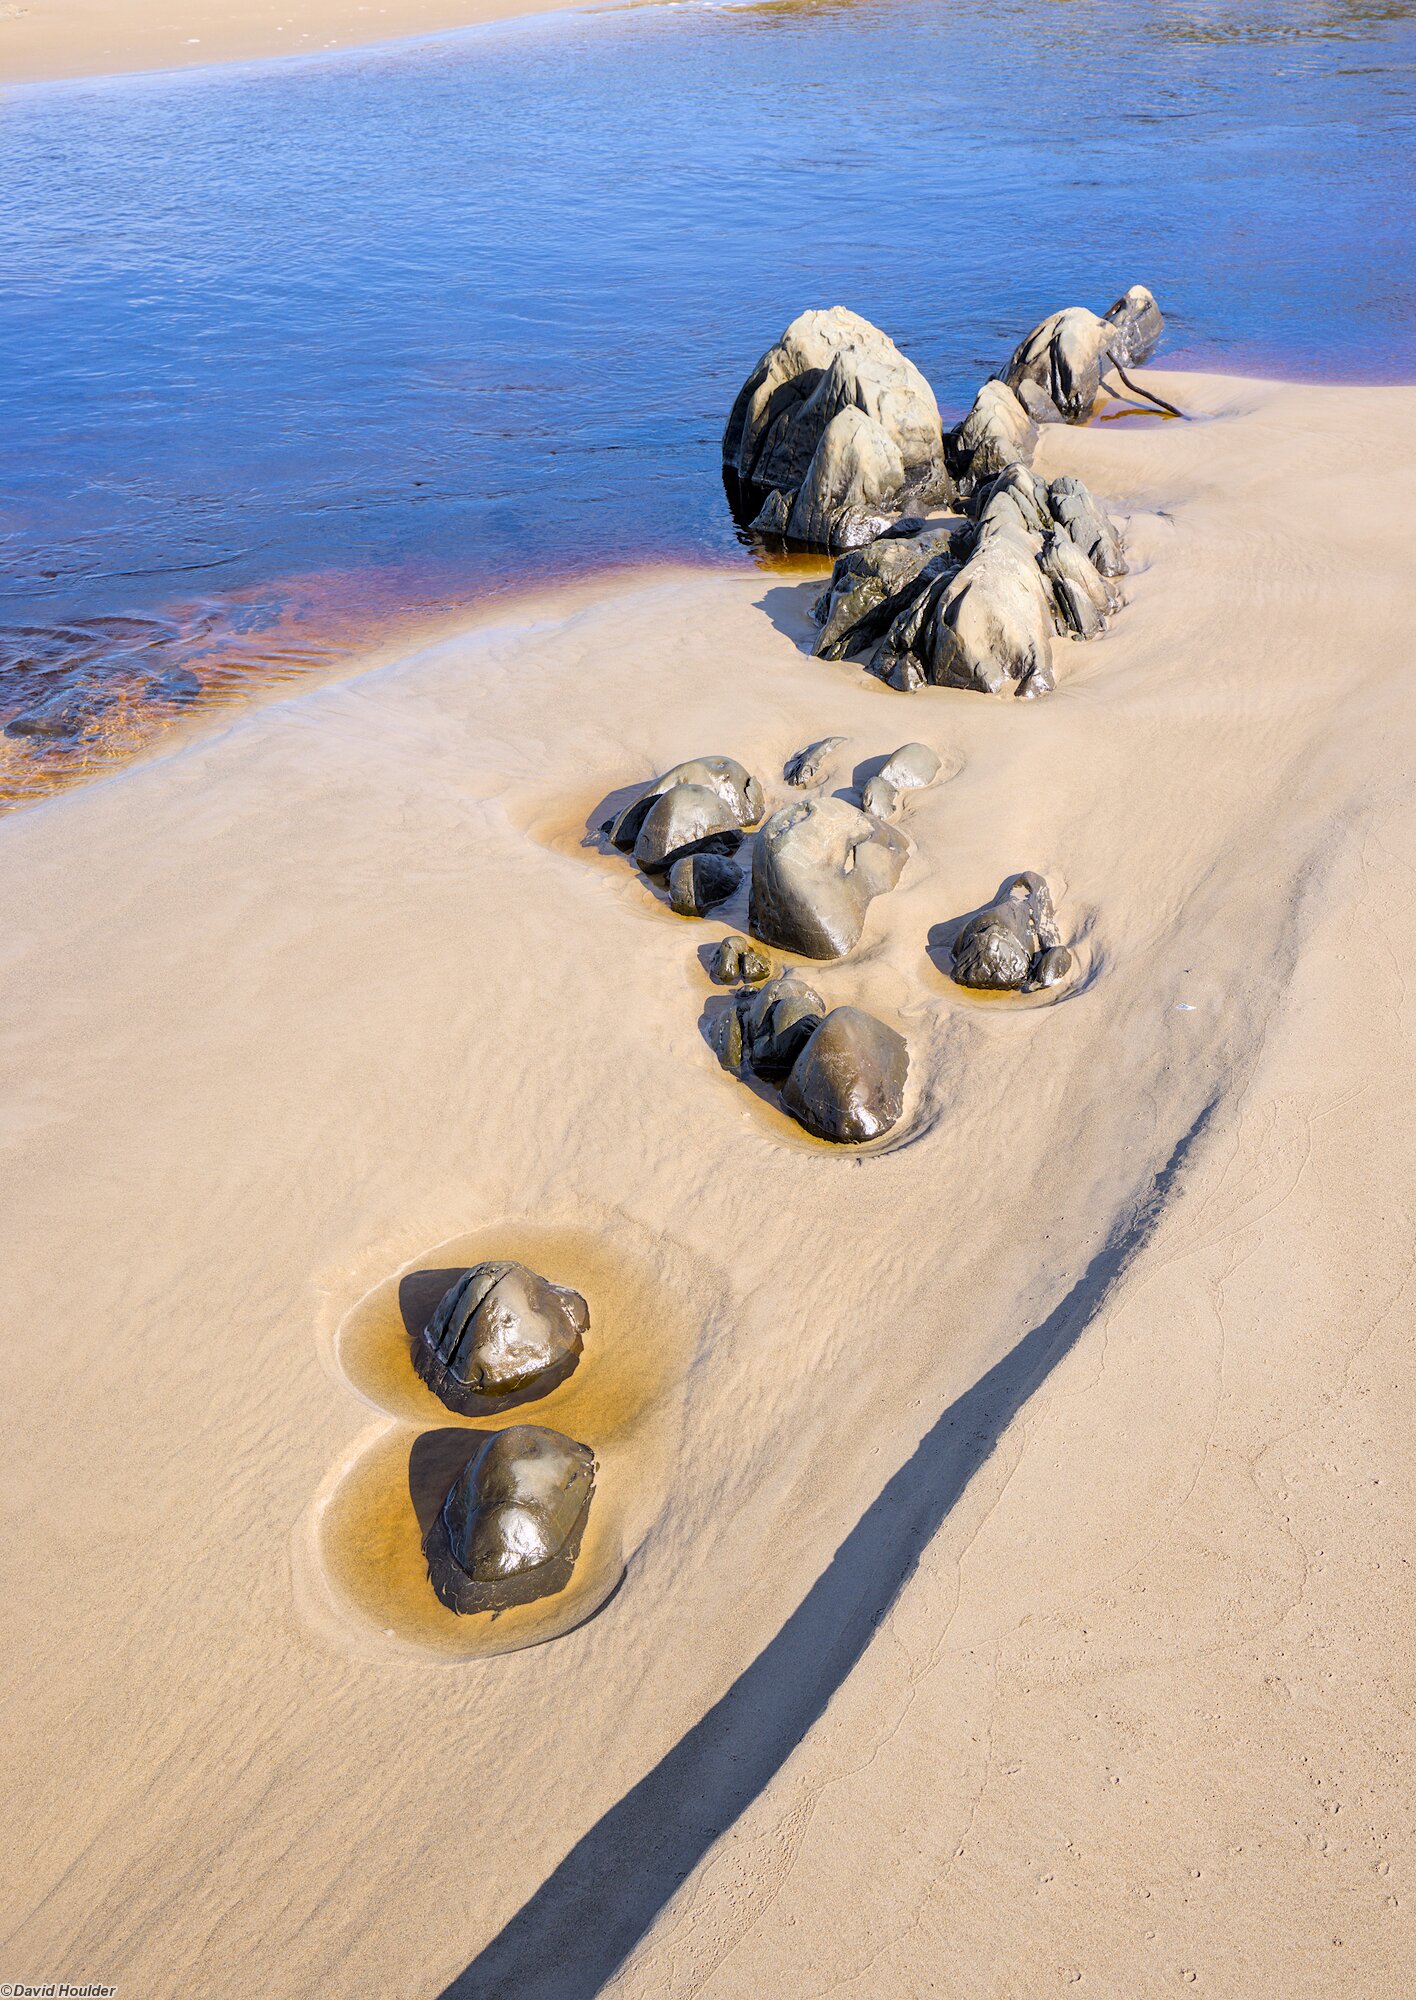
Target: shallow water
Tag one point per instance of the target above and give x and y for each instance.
(292, 353)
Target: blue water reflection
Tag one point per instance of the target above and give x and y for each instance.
(415, 324)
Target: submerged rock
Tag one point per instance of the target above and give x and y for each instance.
(510, 1529)
(699, 882)
(848, 1083)
(827, 366)
(500, 1330)
(738, 961)
(810, 766)
(1013, 947)
(817, 865)
(1065, 357)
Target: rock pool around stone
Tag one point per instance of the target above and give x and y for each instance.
(500, 1330)
(510, 1528)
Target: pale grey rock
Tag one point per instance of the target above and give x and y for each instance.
(911, 767)
(816, 867)
(1090, 527)
(854, 472)
(996, 433)
(1082, 597)
(1069, 352)
(510, 1528)
(880, 797)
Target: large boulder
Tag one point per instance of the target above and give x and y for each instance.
(499, 1331)
(985, 626)
(1075, 510)
(1065, 357)
(826, 363)
(1013, 946)
(848, 1083)
(817, 865)
(510, 1529)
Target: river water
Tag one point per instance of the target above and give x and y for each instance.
(290, 353)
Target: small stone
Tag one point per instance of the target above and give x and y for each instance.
(699, 882)
(878, 796)
(739, 962)
(499, 1331)
(912, 766)
(511, 1526)
(812, 765)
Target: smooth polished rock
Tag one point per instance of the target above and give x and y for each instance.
(511, 1526)
(1013, 946)
(769, 1026)
(996, 433)
(739, 962)
(848, 1083)
(685, 820)
(732, 781)
(817, 865)
(854, 472)
(500, 1330)
(1067, 354)
(912, 767)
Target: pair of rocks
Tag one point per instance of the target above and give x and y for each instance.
(1014, 945)
(1054, 376)
(842, 1073)
(510, 1528)
(834, 432)
(977, 606)
(687, 826)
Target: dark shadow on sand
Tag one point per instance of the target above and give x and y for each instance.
(574, 1932)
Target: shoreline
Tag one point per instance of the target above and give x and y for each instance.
(1092, 1389)
(66, 41)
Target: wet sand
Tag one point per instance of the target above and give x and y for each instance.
(1013, 1523)
(45, 39)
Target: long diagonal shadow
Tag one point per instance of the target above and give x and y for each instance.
(582, 1923)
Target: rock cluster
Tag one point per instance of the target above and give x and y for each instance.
(842, 1073)
(833, 434)
(978, 605)
(1057, 371)
(1014, 946)
(510, 1528)
(500, 1331)
(687, 825)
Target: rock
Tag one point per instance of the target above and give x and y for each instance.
(988, 624)
(500, 1330)
(810, 766)
(69, 712)
(848, 1083)
(738, 960)
(879, 796)
(826, 364)
(1068, 353)
(686, 820)
(911, 767)
(852, 476)
(699, 882)
(510, 1529)
(816, 867)
(1088, 524)
(1013, 946)
(732, 781)
(769, 1027)
(996, 433)
(774, 517)
(1082, 597)
(869, 585)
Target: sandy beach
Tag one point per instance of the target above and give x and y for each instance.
(1014, 1522)
(44, 39)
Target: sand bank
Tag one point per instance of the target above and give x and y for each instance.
(1014, 1521)
(44, 39)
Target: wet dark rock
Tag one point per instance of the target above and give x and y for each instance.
(501, 1330)
(870, 585)
(816, 867)
(70, 712)
(848, 1083)
(510, 1529)
(733, 783)
(699, 882)
(688, 819)
(1066, 356)
(1082, 596)
(769, 1026)
(810, 766)
(832, 426)
(1013, 947)
(738, 961)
